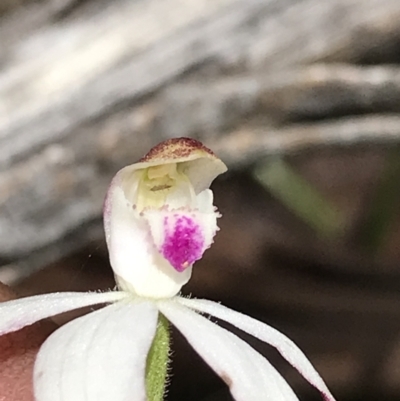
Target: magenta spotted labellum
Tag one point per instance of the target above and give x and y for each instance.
(184, 241)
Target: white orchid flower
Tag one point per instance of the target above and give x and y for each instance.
(159, 219)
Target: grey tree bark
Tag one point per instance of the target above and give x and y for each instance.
(87, 87)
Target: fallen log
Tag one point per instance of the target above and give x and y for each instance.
(86, 89)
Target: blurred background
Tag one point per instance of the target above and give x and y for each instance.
(300, 98)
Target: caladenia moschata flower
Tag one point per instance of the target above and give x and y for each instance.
(159, 219)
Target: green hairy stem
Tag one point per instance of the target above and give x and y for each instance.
(157, 361)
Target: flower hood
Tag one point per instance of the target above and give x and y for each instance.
(159, 217)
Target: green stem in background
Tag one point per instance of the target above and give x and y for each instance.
(157, 361)
(384, 206)
(297, 194)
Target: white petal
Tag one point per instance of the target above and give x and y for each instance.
(268, 334)
(22, 312)
(101, 356)
(249, 376)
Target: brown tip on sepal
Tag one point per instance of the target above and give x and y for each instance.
(175, 148)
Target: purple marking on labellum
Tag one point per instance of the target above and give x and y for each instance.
(184, 241)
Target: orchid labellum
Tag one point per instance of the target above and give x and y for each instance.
(159, 220)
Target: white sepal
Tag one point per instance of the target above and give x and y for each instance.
(22, 312)
(250, 376)
(101, 356)
(287, 348)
